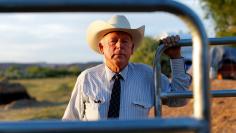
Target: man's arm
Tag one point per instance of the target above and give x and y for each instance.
(180, 79)
(75, 108)
(180, 82)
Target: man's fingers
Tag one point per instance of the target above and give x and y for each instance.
(177, 38)
(173, 42)
(168, 40)
(164, 41)
(173, 51)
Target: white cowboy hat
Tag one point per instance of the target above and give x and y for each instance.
(99, 28)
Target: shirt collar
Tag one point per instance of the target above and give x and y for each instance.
(110, 74)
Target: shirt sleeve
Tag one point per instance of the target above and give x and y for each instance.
(75, 108)
(180, 82)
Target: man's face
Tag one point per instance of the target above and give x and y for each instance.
(117, 47)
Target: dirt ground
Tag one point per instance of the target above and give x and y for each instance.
(223, 110)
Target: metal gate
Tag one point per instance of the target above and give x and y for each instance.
(201, 120)
(186, 94)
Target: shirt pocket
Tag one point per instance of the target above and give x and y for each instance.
(92, 108)
(141, 108)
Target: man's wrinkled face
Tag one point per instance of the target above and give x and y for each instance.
(117, 47)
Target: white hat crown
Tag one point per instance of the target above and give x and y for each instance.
(119, 21)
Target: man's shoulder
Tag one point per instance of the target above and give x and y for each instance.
(93, 70)
(140, 67)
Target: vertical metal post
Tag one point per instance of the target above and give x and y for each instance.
(157, 80)
(200, 66)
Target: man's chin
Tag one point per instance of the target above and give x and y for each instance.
(118, 56)
(120, 62)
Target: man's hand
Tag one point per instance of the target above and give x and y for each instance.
(175, 51)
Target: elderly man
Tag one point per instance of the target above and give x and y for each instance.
(118, 89)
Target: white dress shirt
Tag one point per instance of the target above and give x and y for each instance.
(92, 92)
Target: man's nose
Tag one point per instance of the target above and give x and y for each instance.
(118, 44)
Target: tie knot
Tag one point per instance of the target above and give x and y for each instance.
(117, 76)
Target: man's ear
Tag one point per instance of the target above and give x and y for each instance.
(100, 48)
(132, 49)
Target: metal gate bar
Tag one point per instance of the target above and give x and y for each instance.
(200, 50)
(211, 41)
(189, 94)
(105, 126)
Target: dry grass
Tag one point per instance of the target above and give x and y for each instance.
(51, 94)
(223, 110)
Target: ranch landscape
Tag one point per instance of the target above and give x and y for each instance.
(37, 79)
(51, 95)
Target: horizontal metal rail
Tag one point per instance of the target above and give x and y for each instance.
(189, 94)
(86, 6)
(148, 126)
(212, 41)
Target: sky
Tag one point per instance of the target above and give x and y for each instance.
(61, 37)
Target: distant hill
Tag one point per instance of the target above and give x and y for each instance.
(82, 66)
(42, 70)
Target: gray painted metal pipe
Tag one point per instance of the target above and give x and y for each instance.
(200, 46)
(189, 94)
(212, 41)
(115, 126)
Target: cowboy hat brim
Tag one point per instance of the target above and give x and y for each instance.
(98, 29)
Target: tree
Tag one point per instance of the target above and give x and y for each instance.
(74, 70)
(224, 15)
(12, 72)
(34, 71)
(145, 54)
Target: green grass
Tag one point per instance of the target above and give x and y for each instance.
(55, 91)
